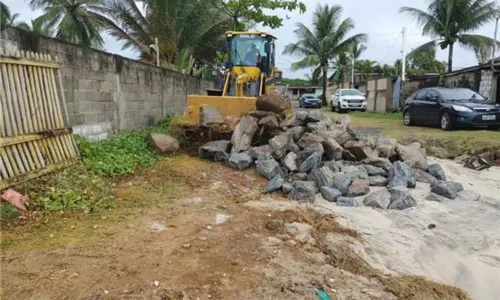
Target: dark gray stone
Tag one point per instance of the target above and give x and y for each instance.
(301, 115)
(330, 194)
(333, 165)
(221, 156)
(316, 116)
(290, 162)
(287, 187)
(377, 180)
(303, 191)
(309, 139)
(445, 189)
(315, 127)
(292, 147)
(401, 198)
(240, 161)
(299, 177)
(322, 176)
(422, 176)
(210, 115)
(304, 154)
(210, 149)
(296, 132)
(386, 147)
(279, 144)
(458, 186)
(360, 150)
(310, 162)
(436, 171)
(401, 174)
(347, 202)
(243, 134)
(380, 162)
(375, 171)
(347, 155)
(378, 199)
(268, 168)
(358, 187)
(274, 184)
(341, 182)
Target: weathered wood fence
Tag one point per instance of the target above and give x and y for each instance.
(34, 134)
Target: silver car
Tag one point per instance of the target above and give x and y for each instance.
(348, 99)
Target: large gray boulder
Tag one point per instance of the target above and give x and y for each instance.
(239, 161)
(445, 189)
(163, 143)
(333, 165)
(338, 135)
(358, 187)
(216, 148)
(401, 198)
(310, 162)
(401, 174)
(303, 191)
(360, 150)
(315, 127)
(379, 199)
(301, 115)
(330, 194)
(290, 162)
(341, 182)
(380, 162)
(273, 102)
(332, 149)
(270, 122)
(313, 148)
(309, 139)
(243, 134)
(413, 155)
(322, 176)
(374, 170)
(347, 202)
(210, 115)
(268, 168)
(436, 171)
(386, 147)
(422, 176)
(274, 184)
(355, 172)
(297, 132)
(316, 116)
(377, 180)
(435, 197)
(259, 114)
(287, 187)
(280, 144)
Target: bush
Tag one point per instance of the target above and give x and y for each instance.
(121, 154)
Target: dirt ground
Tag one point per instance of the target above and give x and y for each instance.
(180, 231)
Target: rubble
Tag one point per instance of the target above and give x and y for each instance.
(312, 153)
(163, 143)
(209, 115)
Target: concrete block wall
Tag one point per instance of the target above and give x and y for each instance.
(486, 83)
(106, 93)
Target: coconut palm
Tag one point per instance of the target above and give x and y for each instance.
(326, 39)
(366, 68)
(6, 18)
(184, 28)
(451, 21)
(36, 26)
(75, 21)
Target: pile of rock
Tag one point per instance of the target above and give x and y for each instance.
(313, 153)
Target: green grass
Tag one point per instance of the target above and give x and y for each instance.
(371, 115)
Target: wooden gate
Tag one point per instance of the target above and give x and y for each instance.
(34, 136)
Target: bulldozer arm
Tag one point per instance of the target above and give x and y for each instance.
(226, 105)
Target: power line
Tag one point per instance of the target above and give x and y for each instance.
(392, 47)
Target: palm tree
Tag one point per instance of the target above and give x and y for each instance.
(451, 21)
(184, 28)
(6, 18)
(36, 26)
(366, 67)
(324, 41)
(75, 21)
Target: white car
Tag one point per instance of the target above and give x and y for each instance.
(348, 99)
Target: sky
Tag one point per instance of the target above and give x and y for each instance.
(380, 19)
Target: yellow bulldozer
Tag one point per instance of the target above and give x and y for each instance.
(251, 73)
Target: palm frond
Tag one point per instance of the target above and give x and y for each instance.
(306, 62)
(422, 48)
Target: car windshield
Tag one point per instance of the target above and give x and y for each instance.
(247, 49)
(461, 94)
(350, 93)
(309, 96)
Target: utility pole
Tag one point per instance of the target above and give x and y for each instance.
(494, 43)
(352, 70)
(156, 48)
(403, 66)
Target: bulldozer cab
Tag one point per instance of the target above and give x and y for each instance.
(251, 73)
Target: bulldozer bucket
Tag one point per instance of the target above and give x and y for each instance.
(227, 106)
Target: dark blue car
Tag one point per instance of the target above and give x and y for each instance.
(450, 108)
(309, 100)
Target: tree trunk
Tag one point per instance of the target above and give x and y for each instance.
(325, 83)
(450, 58)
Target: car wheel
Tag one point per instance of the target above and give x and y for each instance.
(446, 122)
(332, 107)
(339, 110)
(363, 110)
(408, 120)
